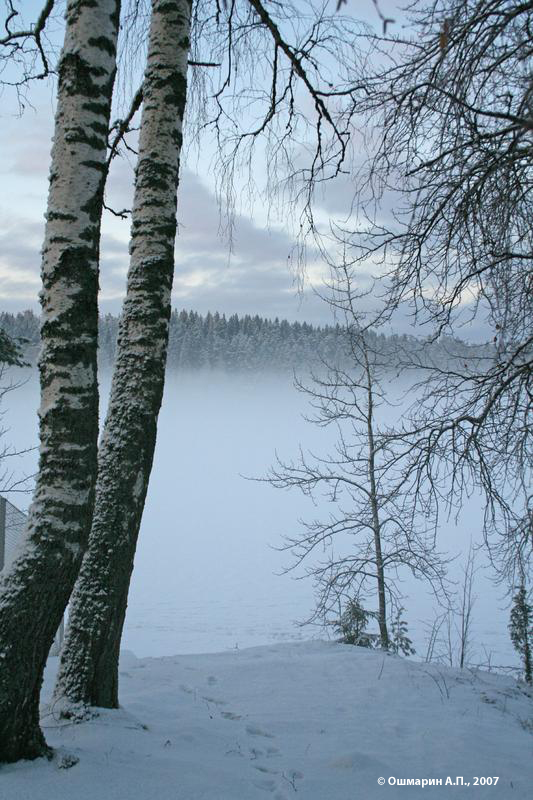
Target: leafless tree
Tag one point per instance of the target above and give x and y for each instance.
(450, 633)
(374, 533)
(467, 600)
(433, 635)
(450, 115)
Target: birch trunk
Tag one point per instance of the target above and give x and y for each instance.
(35, 591)
(89, 663)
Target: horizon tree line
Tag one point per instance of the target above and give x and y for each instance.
(252, 343)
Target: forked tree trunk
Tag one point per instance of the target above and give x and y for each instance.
(35, 591)
(89, 663)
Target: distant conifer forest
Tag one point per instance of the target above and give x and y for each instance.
(248, 343)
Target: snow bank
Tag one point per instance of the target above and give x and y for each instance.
(309, 720)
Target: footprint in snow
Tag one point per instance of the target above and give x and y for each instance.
(215, 700)
(280, 785)
(266, 770)
(230, 715)
(252, 730)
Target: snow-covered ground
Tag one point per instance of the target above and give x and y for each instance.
(310, 720)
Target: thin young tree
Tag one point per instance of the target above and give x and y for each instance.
(242, 33)
(467, 601)
(373, 533)
(36, 589)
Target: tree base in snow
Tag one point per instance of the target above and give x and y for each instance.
(25, 746)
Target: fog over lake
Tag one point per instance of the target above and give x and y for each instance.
(207, 574)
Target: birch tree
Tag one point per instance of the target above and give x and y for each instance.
(35, 591)
(235, 35)
(89, 662)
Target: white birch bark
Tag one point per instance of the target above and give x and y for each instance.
(88, 670)
(35, 591)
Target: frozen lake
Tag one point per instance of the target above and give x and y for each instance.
(207, 574)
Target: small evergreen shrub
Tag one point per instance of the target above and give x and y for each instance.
(521, 630)
(352, 625)
(399, 640)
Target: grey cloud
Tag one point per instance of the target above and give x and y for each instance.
(254, 278)
(27, 144)
(20, 244)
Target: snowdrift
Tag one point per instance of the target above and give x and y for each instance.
(309, 720)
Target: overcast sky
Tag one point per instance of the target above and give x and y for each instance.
(257, 277)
